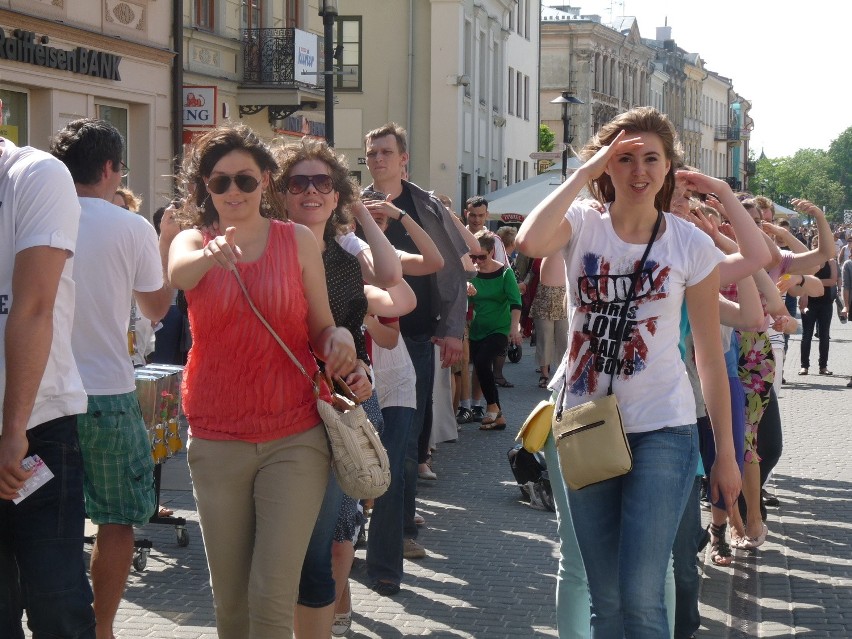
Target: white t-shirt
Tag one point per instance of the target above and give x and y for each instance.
(38, 207)
(117, 253)
(650, 379)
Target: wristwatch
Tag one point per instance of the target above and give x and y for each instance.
(402, 214)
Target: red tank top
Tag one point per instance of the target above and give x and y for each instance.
(238, 383)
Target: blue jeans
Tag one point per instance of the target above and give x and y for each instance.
(626, 529)
(684, 553)
(384, 543)
(41, 545)
(316, 586)
(422, 353)
(572, 587)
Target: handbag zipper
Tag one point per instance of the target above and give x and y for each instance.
(581, 429)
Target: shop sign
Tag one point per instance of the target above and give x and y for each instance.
(512, 218)
(199, 106)
(22, 46)
(307, 57)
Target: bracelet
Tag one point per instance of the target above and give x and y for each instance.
(802, 283)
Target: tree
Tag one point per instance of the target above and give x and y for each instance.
(545, 138)
(840, 153)
(809, 174)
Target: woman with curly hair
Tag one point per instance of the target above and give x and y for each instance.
(317, 191)
(257, 453)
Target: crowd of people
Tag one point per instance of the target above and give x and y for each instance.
(416, 308)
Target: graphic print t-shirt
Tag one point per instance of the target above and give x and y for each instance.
(650, 379)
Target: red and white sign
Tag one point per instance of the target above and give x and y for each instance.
(199, 106)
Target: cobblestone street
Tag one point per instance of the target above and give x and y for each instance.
(490, 569)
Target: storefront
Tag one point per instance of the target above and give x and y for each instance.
(107, 66)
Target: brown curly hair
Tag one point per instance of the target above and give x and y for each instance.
(638, 120)
(198, 164)
(289, 155)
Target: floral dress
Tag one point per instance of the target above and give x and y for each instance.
(757, 374)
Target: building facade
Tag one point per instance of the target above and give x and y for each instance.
(611, 69)
(607, 68)
(62, 60)
(441, 69)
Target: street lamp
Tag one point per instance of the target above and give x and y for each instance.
(565, 99)
(328, 11)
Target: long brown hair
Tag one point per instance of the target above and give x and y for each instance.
(638, 120)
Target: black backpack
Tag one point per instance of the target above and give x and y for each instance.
(530, 472)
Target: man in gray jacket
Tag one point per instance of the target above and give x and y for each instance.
(439, 317)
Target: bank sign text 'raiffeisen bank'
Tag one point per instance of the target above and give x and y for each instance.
(22, 47)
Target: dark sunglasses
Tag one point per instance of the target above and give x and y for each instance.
(221, 183)
(296, 184)
(478, 258)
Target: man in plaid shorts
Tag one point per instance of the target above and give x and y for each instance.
(117, 257)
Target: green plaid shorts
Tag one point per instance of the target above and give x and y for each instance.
(119, 468)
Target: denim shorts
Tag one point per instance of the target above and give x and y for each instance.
(119, 468)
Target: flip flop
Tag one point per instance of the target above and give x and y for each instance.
(504, 383)
(490, 422)
(542, 381)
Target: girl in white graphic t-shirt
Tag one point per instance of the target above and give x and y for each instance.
(625, 526)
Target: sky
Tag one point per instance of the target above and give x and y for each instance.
(790, 60)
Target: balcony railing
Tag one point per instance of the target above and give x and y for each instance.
(727, 133)
(269, 58)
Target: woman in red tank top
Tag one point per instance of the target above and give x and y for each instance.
(258, 454)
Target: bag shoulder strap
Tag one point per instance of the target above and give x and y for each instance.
(634, 279)
(275, 335)
(622, 318)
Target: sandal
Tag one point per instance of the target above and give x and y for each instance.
(503, 382)
(490, 421)
(720, 550)
(343, 621)
(750, 543)
(542, 381)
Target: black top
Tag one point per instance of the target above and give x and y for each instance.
(346, 293)
(423, 319)
(828, 292)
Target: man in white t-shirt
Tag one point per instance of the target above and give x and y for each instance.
(41, 538)
(117, 257)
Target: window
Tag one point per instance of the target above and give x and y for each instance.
(526, 97)
(511, 91)
(519, 95)
(252, 14)
(116, 116)
(517, 170)
(509, 164)
(483, 68)
(291, 13)
(14, 119)
(204, 10)
(526, 169)
(468, 54)
(348, 35)
(522, 17)
(495, 78)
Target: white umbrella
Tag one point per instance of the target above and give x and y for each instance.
(513, 203)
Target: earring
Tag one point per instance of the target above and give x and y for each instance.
(200, 207)
(264, 202)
